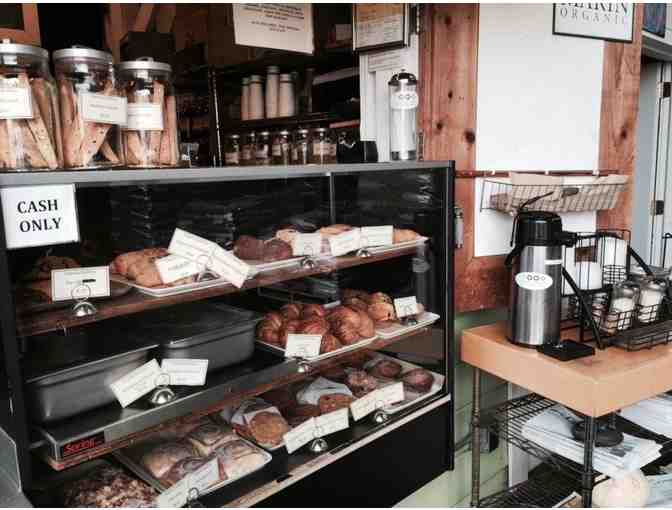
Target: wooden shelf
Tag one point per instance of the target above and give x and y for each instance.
(280, 122)
(135, 302)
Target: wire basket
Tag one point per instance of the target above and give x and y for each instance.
(507, 197)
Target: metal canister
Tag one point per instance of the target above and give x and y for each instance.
(403, 111)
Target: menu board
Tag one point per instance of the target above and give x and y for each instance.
(380, 26)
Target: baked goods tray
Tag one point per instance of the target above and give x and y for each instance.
(170, 291)
(397, 246)
(262, 267)
(396, 329)
(281, 352)
(128, 456)
(26, 306)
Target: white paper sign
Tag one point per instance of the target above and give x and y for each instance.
(40, 215)
(286, 27)
(302, 346)
(377, 236)
(228, 266)
(345, 243)
(391, 394)
(205, 476)
(144, 117)
(300, 435)
(307, 244)
(332, 422)
(174, 267)
(137, 383)
(365, 405)
(185, 371)
(609, 21)
(175, 496)
(191, 247)
(103, 109)
(15, 103)
(80, 283)
(406, 306)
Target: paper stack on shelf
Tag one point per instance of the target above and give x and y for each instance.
(552, 429)
(660, 491)
(654, 414)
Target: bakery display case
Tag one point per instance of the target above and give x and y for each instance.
(266, 333)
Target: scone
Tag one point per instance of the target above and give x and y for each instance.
(268, 428)
(161, 458)
(209, 436)
(333, 402)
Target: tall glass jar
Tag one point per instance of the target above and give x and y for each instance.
(263, 150)
(232, 150)
(282, 148)
(92, 109)
(322, 147)
(150, 137)
(30, 129)
(652, 292)
(248, 148)
(301, 147)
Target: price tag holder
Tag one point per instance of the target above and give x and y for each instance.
(345, 243)
(229, 267)
(175, 496)
(191, 247)
(332, 422)
(175, 267)
(204, 477)
(300, 435)
(406, 306)
(137, 383)
(80, 283)
(307, 244)
(391, 394)
(377, 236)
(302, 346)
(185, 371)
(365, 405)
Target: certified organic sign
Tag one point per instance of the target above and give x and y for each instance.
(608, 21)
(39, 215)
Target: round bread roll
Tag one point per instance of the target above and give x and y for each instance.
(313, 310)
(275, 319)
(361, 383)
(329, 343)
(387, 369)
(275, 249)
(418, 380)
(248, 248)
(314, 326)
(344, 314)
(268, 428)
(366, 327)
(291, 311)
(382, 312)
(345, 332)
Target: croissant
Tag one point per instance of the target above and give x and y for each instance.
(329, 343)
(382, 312)
(291, 311)
(275, 319)
(345, 314)
(380, 297)
(354, 293)
(345, 332)
(313, 310)
(355, 303)
(366, 327)
(268, 333)
(291, 326)
(314, 326)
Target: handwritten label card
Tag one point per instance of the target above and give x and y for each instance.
(300, 435)
(307, 244)
(137, 383)
(332, 422)
(80, 283)
(406, 306)
(175, 267)
(191, 247)
(377, 236)
(185, 371)
(205, 476)
(391, 394)
(302, 346)
(345, 243)
(365, 405)
(228, 266)
(175, 496)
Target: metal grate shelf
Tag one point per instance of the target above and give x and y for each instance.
(540, 491)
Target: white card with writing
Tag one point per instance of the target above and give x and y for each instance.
(137, 383)
(307, 244)
(205, 476)
(302, 346)
(229, 267)
(377, 236)
(332, 422)
(103, 109)
(191, 247)
(185, 371)
(144, 117)
(15, 103)
(80, 283)
(175, 496)
(365, 405)
(345, 243)
(391, 394)
(300, 435)
(175, 267)
(406, 306)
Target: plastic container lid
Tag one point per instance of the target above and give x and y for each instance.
(83, 52)
(7, 47)
(144, 64)
(403, 76)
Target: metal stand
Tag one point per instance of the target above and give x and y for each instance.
(475, 442)
(588, 449)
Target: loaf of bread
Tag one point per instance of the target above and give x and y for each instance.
(209, 436)
(418, 380)
(161, 458)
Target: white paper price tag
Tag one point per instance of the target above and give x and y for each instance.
(365, 405)
(175, 496)
(345, 243)
(300, 435)
(15, 103)
(205, 476)
(185, 371)
(175, 267)
(391, 394)
(103, 109)
(229, 267)
(406, 306)
(332, 422)
(377, 236)
(80, 283)
(137, 383)
(307, 244)
(302, 346)
(144, 117)
(191, 247)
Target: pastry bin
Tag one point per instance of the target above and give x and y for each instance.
(30, 131)
(150, 137)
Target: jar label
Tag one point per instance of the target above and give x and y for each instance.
(277, 150)
(246, 154)
(534, 281)
(144, 117)
(263, 152)
(406, 100)
(103, 109)
(295, 154)
(15, 103)
(231, 158)
(321, 149)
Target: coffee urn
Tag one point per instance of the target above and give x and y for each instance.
(403, 109)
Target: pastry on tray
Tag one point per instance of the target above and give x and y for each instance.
(361, 383)
(418, 380)
(181, 469)
(108, 487)
(334, 402)
(251, 248)
(162, 457)
(385, 368)
(209, 436)
(123, 262)
(268, 428)
(45, 265)
(238, 458)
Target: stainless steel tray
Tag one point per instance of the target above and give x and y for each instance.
(281, 352)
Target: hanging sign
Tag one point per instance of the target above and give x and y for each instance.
(39, 215)
(607, 21)
(286, 27)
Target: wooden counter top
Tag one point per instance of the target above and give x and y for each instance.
(596, 385)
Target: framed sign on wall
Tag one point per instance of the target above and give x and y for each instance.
(606, 21)
(378, 26)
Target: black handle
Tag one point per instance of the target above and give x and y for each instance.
(584, 306)
(640, 261)
(514, 253)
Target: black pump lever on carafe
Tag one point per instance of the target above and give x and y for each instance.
(584, 306)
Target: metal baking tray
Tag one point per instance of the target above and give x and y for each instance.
(396, 329)
(281, 352)
(170, 291)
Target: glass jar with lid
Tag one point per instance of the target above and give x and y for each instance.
(263, 150)
(248, 148)
(624, 298)
(92, 109)
(282, 148)
(150, 137)
(30, 128)
(232, 150)
(652, 292)
(322, 147)
(301, 147)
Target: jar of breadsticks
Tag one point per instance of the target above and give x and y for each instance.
(150, 135)
(30, 131)
(92, 109)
